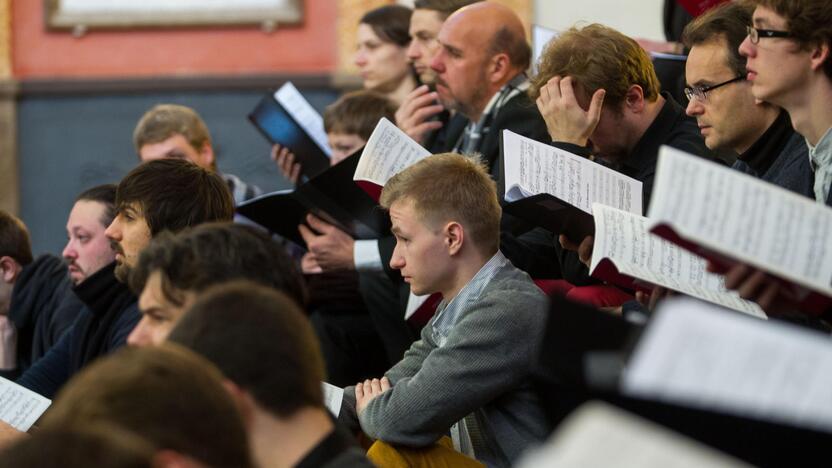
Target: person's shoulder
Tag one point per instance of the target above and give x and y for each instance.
(514, 289)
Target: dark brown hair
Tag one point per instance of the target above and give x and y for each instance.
(216, 253)
(100, 445)
(14, 239)
(724, 22)
(104, 194)
(172, 194)
(358, 113)
(174, 398)
(391, 23)
(280, 365)
(598, 57)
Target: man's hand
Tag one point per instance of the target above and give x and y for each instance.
(584, 249)
(756, 286)
(651, 300)
(9, 435)
(309, 264)
(418, 106)
(366, 391)
(332, 248)
(565, 119)
(285, 160)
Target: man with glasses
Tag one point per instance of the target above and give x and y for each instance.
(787, 50)
(729, 118)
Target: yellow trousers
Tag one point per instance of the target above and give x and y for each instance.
(438, 455)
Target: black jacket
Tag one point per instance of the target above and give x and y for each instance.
(42, 308)
(109, 316)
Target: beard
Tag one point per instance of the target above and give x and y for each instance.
(122, 272)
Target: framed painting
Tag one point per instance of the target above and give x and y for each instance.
(115, 14)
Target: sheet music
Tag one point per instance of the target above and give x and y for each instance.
(624, 239)
(744, 218)
(19, 406)
(333, 396)
(532, 167)
(695, 354)
(628, 441)
(304, 114)
(388, 152)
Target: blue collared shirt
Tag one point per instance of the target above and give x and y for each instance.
(449, 313)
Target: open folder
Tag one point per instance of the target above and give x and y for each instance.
(331, 195)
(626, 254)
(287, 119)
(586, 354)
(555, 189)
(729, 217)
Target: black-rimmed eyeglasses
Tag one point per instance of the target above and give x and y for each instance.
(755, 34)
(701, 93)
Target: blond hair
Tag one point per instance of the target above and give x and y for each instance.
(451, 187)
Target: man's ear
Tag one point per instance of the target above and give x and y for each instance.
(454, 237)
(242, 399)
(9, 269)
(820, 54)
(499, 68)
(634, 100)
(206, 155)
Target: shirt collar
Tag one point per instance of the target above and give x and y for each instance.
(449, 313)
(821, 154)
(762, 154)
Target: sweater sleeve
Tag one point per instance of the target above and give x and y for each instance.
(485, 355)
(49, 373)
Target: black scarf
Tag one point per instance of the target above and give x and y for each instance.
(106, 298)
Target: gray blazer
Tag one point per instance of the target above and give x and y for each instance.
(482, 368)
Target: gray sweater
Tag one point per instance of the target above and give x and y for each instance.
(481, 367)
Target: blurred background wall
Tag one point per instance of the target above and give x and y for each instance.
(69, 102)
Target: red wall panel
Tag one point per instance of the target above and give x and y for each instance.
(38, 53)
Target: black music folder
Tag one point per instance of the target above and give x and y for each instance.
(331, 195)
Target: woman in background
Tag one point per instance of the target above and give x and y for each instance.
(381, 54)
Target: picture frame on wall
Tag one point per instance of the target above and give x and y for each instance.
(81, 15)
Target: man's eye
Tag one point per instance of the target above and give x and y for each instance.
(156, 318)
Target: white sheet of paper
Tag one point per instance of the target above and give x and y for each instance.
(625, 239)
(333, 396)
(532, 167)
(19, 406)
(413, 304)
(387, 152)
(304, 114)
(628, 441)
(744, 218)
(695, 354)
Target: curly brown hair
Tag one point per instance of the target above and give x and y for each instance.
(597, 57)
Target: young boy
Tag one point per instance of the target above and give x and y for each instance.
(474, 355)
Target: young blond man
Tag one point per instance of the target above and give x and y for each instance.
(469, 372)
